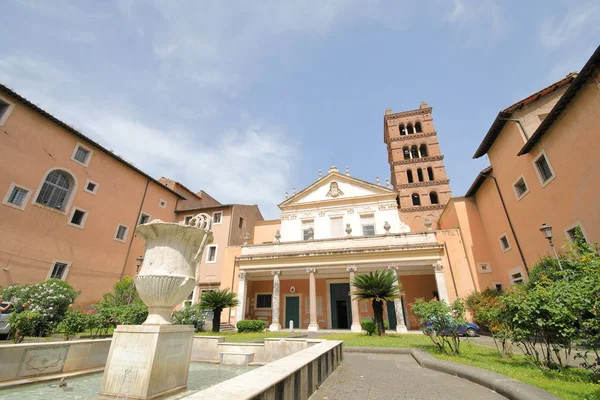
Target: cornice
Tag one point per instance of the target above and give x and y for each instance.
(413, 136)
(422, 208)
(420, 184)
(419, 160)
(390, 117)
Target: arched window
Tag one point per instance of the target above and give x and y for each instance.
(56, 190)
(414, 151)
(423, 149)
(418, 127)
(430, 173)
(409, 176)
(416, 199)
(402, 130)
(420, 175)
(410, 129)
(406, 152)
(433, 197)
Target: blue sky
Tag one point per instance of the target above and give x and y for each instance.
(248, 99)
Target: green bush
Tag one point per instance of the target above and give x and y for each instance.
(190, 315)
(441, 321)
(74, 322)
(122, 306)
(251, 325)
(370, 326)
(49, 299)
(26, 323)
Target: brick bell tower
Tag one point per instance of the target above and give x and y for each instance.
(416, 166)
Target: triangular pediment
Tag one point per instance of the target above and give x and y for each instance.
(336, 186)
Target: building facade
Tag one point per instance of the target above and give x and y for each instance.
(542, 152)
(416, 165)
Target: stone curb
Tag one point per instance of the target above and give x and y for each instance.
(510, 388)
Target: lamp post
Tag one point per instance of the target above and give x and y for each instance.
(138, 263)
(547, 231)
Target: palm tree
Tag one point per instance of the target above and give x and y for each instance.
(217, 300)
(378, 286)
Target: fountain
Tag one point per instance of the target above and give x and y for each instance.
(152, 360)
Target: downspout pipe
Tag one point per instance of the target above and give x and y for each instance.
(518, 121)
(134, 226)
(512, 229)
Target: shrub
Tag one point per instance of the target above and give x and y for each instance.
(190, 315)
(370, 326)
(74, 322)
(50, 299)
(122, 306)
(251, 325)
(441, 321)
(489, 313)
(25, 323)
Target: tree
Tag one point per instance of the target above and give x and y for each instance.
(217, 300)
(378, 286)
(441, 322)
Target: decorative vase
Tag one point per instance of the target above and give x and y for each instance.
(168, 272)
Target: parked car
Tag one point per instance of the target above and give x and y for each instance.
(4, 325)
(468, 329)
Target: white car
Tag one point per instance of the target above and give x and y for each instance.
(4, 325)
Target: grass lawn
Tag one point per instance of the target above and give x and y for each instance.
(571, 384)
(247, 336)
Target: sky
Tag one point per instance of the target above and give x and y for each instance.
(247, 100)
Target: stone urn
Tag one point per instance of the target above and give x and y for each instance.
(168, 272)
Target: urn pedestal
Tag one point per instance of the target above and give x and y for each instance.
(152, 360)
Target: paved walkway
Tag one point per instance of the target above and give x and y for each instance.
(395, 376)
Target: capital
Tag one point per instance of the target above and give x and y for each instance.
(276, 273)
(392, 268)
(311, 270)
(438, 266)
(351, 269)
(242, 276)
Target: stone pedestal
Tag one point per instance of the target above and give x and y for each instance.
(148, 361)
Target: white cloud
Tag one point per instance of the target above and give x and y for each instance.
(555, 33)
(478, 20)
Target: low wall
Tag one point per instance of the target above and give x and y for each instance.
(209, 348)
(29, 360)
(296, 376)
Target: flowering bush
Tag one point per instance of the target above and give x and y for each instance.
(24, 324)
(49, 299)
(190, 315)
(75, 321)
(122, 306)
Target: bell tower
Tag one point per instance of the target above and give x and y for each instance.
(416, 166)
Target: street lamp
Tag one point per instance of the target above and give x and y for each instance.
(547, 231)
(138, 263)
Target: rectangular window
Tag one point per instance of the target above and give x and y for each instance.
(144, 219)
(82, 155)
(217, 216)
(121, 233)
(187, 220)
(5, 109)
(241, 223)
(78, 217)
(17, 196)
(484, 268)
(504, 244)
(516, 278)
(574, 232)
(211, 254)
(263, 300)
(337, 227)
(520, 188)
(308, 230)
(91, 187)
(498, 286)
(59, 270)
(543, 169)
(162, 203)
(368, 225)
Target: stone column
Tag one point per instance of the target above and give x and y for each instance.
(240, 312)
(440, 282)
(275, 325)
(354, 303)
(400, 324)
(313, 326)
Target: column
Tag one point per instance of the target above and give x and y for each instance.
(440, 282)
(275, 325)
(400, 324)
(240, 312)
(313, 326)
(354, 303)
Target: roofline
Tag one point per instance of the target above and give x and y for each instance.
(207, 208)
(500, 120)
(478, 181)
(563, 102)
(80, 135)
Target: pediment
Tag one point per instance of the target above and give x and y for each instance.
(335, 186)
